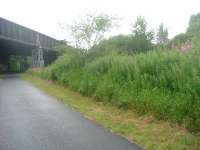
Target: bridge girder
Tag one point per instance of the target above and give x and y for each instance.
(18, 40)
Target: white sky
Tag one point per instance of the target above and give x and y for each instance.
(45, 15)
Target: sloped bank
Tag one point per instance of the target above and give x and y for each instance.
(144, 130)
(165, 84)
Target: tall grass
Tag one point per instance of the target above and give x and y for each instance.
(163, 83)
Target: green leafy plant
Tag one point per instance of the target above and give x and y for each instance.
(163, 83)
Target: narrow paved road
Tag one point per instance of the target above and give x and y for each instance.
(32, 120)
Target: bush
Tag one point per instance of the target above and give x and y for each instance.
(163, 83)
(18, 64)
(121, 44)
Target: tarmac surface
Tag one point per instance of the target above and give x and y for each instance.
(32, 120)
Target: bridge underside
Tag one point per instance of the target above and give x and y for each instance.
(9, 47)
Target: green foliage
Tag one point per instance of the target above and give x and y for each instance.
(144, 130)
(180, 39)
(163, 83)
(18, 64)
(192, 34)
(196, 42)
(140, 30)
(194, 25)
(194, 30)
(90, 30)
(63, 48)
(162, 35)
(121, 44)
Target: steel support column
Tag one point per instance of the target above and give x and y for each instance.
(37, 55)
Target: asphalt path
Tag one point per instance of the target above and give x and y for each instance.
(32, 120)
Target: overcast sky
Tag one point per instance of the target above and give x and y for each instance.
(45, 15)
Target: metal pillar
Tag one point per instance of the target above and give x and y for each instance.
(37, 55)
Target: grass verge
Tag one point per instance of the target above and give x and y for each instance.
(146, 131)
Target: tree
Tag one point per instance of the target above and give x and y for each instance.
(193, 30)
(140, 29)
(91, 30)
(179, 40)
(142, 38)
(162, 35)
(194, 25)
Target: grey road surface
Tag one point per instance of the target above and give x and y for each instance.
(32, 120)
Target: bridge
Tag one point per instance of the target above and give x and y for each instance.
(16, 39)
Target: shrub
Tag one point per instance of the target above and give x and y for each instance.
(163, 83)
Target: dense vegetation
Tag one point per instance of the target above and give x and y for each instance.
(18, 64)
(125, 71)
(158, 82)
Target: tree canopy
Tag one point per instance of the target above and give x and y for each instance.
(194, 25)
(140, 29)
(162, 35)
(91, 30)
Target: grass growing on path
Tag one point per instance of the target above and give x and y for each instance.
(145, 131)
